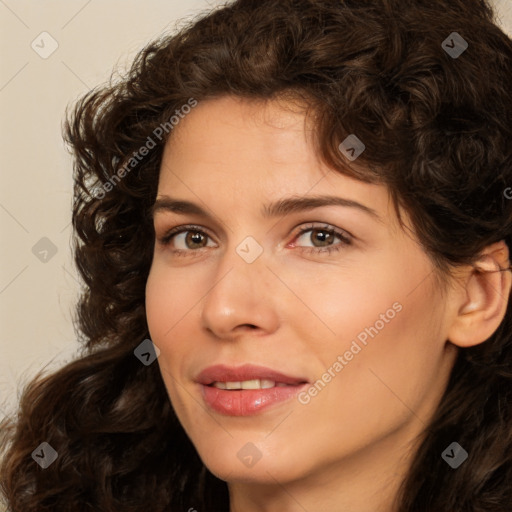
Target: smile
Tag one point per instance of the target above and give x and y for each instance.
(246, 390)
(249, 384)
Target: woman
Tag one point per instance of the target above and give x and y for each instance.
(293, 225)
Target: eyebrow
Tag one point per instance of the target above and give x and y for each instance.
(279, 208)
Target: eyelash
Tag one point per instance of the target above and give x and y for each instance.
(342, 235)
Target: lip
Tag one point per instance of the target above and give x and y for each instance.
(223, 373)
(246, 402)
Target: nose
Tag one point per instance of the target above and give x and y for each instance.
(243, 298)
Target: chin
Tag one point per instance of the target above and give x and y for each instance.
(234, 463)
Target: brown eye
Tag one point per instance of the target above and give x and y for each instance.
(185, 239)
(193, 239)
(322, 238)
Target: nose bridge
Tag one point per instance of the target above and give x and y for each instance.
(240, 294)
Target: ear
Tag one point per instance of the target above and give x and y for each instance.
(484, 297)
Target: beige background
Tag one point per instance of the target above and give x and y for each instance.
(37, 298)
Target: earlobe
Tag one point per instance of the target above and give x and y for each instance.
(486, 288)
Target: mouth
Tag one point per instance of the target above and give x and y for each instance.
(246, 390)
(249, 384)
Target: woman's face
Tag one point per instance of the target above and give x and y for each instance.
(336, 302)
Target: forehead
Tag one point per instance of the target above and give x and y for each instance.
(239, 152)
(229, 131)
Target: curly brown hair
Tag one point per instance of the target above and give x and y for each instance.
(438, 133)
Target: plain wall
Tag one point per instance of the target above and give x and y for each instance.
(37, 297)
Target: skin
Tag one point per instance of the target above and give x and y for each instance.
(296, 311)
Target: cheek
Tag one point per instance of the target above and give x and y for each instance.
(156, 304)
(163, 311)
(169, 297)
(409, 358)
(342, 304)
(392, 299)
(163, 308)
(396, 371)
(387, 329)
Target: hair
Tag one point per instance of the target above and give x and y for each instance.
(437, 131)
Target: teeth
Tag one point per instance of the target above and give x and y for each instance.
(251, 384)
(248, 384)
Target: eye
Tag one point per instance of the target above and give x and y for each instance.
(322, 239)
(187, 240)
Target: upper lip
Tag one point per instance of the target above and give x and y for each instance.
(223, 373)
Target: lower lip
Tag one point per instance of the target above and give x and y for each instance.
(247, 402)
